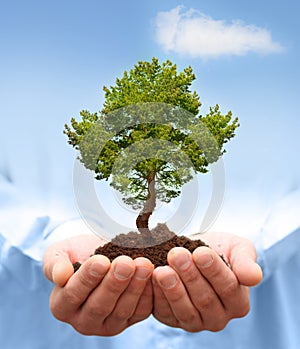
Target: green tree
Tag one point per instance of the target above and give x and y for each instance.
(149, 138)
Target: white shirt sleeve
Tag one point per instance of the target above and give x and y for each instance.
(280, 235)
(283, 220)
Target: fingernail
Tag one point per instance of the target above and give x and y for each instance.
(168, 281)
(182, 261)
(96, 269)
(54, 272)
(123, 272)
(57, 269)
(142, 273)
(206, 260)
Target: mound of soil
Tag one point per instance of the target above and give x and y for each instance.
(132, 245)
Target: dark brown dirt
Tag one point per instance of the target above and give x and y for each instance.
(157, 254)
(132, 245)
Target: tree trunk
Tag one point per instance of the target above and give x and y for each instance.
(143, 217)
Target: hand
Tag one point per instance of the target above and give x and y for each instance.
(199, 291)
(101, 298)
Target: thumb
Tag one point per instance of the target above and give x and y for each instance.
(57, 266)
(243, 264)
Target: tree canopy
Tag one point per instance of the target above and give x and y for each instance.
(149, 137)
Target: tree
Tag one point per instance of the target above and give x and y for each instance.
(149, 138)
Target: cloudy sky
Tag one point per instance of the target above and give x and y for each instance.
(56, 56)
(193, 33)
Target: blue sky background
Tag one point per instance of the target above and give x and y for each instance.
(56, 56)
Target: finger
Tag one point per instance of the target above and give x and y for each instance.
(145, 305)
(68, 299)
(200, 291)
(145, 302)
(103, 299)
(161, 307)
(129, 299)
(233, 296)
(62, 271)
(243, 264)
(57, 266)
(183, 309)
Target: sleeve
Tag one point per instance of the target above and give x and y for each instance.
(280, 235)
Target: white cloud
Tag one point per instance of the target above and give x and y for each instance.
(193, 33)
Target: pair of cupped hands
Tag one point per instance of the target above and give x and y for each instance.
(195, 291)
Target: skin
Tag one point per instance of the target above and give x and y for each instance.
(199, 291)
(101, 298)
(194, 292)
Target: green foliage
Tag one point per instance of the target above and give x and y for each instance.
(150, 129)
(153, 82)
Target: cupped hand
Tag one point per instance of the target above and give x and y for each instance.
(101, 298)
(199, 291)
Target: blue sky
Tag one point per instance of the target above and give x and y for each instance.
(70, 49)
(56, 56)
(76, 47)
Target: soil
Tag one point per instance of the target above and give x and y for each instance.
(132, 245)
